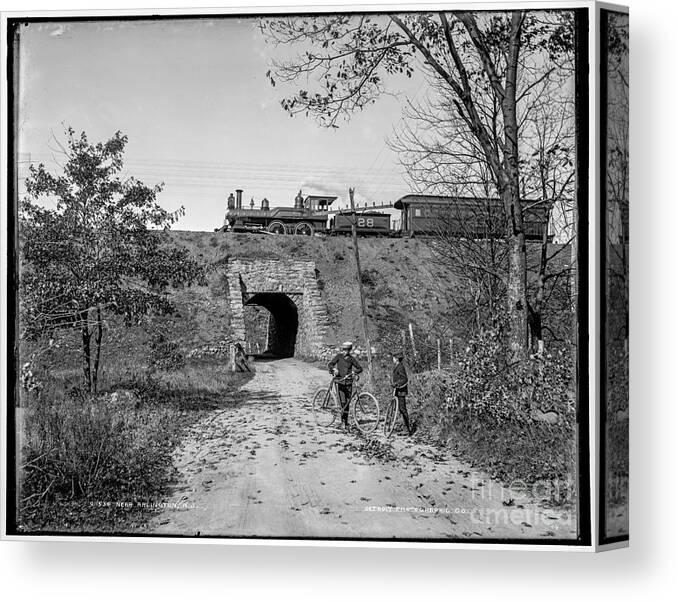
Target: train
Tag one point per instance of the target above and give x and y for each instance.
(420, 215)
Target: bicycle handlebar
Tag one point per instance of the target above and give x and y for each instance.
(353, 376)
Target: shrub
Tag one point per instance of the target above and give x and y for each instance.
(83, 446)
(617, 423)
(79, 449)
(514, 421)
(368, 277)
(164, 354)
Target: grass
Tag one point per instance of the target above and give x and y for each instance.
(98, 463)
(514, 452)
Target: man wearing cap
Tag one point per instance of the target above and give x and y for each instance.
(340, 366)
(399, 383)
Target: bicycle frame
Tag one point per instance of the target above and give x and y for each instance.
(344, 380)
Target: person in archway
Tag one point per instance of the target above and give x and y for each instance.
(399, 383)
(341, 365)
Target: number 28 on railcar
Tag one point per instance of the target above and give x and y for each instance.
(368, 223)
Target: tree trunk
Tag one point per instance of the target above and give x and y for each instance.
(510, 192)
(536, 331)
(535, 309)
(517, 298)
(97, 355)
(86, 336)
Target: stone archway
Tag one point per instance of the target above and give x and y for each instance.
(289, 291)
(283, 322)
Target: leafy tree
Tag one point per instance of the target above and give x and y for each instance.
(104, 247)
(490, 64)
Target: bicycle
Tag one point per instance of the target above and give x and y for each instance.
(364, 406)
(391, 414)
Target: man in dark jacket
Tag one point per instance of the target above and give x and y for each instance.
(340, 366)
(399, 383)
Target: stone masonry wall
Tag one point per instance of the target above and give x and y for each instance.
(297, 280)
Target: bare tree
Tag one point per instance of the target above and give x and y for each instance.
(483, 59)
(442, 156)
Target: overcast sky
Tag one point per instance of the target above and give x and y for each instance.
(200, 114)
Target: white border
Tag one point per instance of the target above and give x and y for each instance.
(318, 8)
(594, 264)
(3, 275)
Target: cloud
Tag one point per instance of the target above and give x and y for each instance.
(58, 32)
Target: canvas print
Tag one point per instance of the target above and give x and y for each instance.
(615, 504)
(299, 276)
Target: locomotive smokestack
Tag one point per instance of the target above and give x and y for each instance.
(238, 198)
(299, 201)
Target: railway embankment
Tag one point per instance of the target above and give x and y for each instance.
(403, 283)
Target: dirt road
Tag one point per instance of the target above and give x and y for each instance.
(265, 469)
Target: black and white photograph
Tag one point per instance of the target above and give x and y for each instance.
(311, 276)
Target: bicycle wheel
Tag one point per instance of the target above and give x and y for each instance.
(391, 417)
(324, 407)
(366, 412)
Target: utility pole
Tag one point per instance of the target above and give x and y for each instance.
(354, 234)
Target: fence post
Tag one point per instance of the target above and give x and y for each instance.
(363, 306)
(440, 356)
(231, 357)
(414, 349)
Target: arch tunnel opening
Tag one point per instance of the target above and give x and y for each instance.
(274, 331)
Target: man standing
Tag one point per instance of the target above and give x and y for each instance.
(340, 366)
(399, 383)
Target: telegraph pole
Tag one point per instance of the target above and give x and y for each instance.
(354, 234)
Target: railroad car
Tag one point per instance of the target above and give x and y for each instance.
(465, 217)
(368, 223)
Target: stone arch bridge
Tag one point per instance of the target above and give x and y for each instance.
(297, 323)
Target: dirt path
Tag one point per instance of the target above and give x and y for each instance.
(265, 469)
